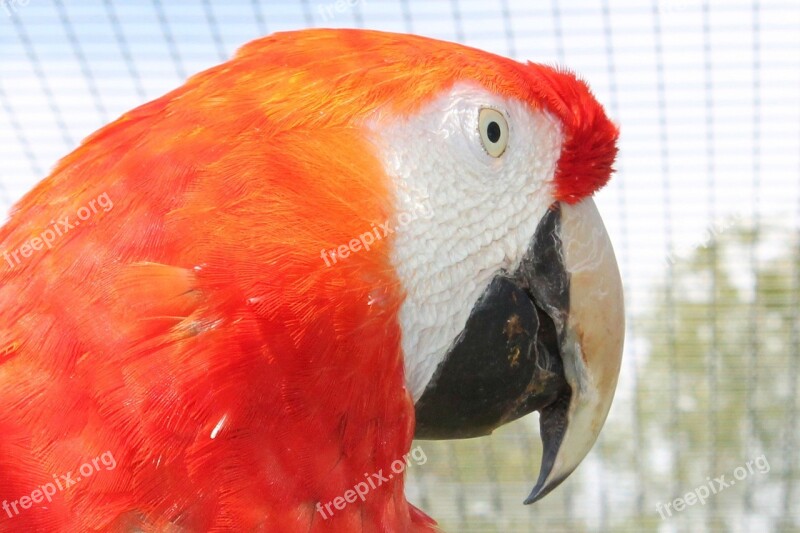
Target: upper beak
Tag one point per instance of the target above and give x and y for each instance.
(591, 330)
(547, 337)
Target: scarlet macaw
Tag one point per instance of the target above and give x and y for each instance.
(252, 292)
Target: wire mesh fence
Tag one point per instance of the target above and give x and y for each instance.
(704, 212)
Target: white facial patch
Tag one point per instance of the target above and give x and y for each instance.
(481, 211)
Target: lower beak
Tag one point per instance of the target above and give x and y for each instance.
(547, 337)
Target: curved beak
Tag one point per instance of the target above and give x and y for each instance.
(591, 334)
(547, 337)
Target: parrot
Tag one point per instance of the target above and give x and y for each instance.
(235, 306)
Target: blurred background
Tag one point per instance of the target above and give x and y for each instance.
(704, 213)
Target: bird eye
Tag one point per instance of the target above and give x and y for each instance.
(493, 127)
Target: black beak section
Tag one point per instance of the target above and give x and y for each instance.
(506, 362)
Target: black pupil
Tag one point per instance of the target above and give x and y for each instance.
(493, 132)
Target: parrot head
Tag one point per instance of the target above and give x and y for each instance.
(513, 299)
(334, 242)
